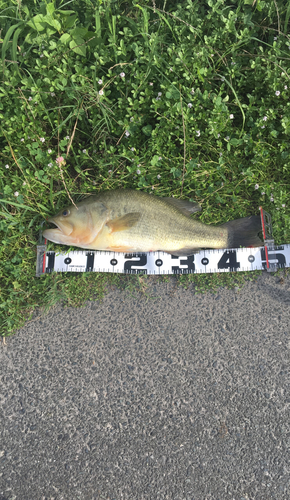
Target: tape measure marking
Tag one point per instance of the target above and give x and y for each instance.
(206, 261)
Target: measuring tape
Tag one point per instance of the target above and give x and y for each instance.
(269, 257)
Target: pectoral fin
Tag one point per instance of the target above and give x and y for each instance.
(124, 222)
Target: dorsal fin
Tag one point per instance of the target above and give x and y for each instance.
(184, 206)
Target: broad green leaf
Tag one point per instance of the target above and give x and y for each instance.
(78, 45)
(79, 32)
(65, 38)
(53, 22)
(37, 22)
(69, 22)
(50, 8)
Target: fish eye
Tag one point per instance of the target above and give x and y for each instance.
(65, 213)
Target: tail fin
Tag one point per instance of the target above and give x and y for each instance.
(244, 232)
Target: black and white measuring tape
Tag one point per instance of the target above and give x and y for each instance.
(269, 257)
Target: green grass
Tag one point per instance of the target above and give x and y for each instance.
(187, 99)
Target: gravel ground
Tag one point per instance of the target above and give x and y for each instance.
(178, 396)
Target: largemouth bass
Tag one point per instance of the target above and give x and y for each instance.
(125, 220)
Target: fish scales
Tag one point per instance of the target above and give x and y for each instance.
(126, 220)
(161, 225)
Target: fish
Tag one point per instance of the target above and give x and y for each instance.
(128, 220)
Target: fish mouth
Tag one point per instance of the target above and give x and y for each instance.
(60, 233)
(64, 228)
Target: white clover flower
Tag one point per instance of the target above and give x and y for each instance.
(227, 138)
(101, 92)
(256, 186)
(132, 149)
(127, 133)
(52, 94)
(221, 154)
(30, 98)
(231, 117)
(41, 55)
(100, 81)
(138, 171)
(7, 166)
(263, 192)
(16, 193)
(263, 126)
(170, 69)
(189, 105)
(50, 165)
(283, 205)
(24, 184)
(150, 83)
(109, 171)
(131, 119)
(84, 151)
(265, 118)
(21, 140)
(192, 91)
(198, 133)
(219, 135)
(49, 151)
(160, 158)
(122, 74)
(159, 94)
(271, 199)
(275, 38)
(67, 137)
(158, 176)
(277, 92)
(285, 87)
(42, 139)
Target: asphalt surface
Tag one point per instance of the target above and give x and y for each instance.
(180, 396)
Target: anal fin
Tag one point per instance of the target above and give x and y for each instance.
(184, 252)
